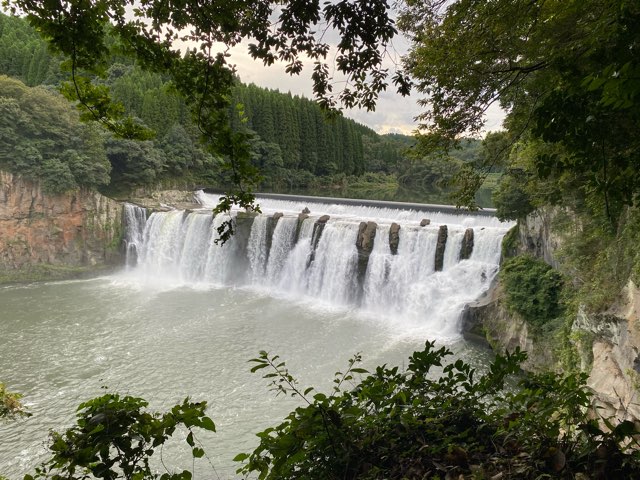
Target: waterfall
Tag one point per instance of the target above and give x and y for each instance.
(452, 249)
(315, 258)
(293, 277)
(332, 272)
(390, 277)
(283, 241)
(134, 221)
(257, 248)
(219, 259)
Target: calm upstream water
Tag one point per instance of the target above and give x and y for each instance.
(186, 318)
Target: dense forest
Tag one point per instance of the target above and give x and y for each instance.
(295, 145)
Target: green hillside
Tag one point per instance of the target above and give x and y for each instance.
(293, 143)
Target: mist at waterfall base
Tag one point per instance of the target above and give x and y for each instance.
(186, 314)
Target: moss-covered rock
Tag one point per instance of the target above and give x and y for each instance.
(532, 289)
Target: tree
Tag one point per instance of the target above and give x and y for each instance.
(134, 162)
(565, 73)
(42, 138)
(202, 75)
(183, 155)
(429, 173)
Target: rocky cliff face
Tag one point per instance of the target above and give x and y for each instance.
(44, 235)
(611, 346)
(606, 345)
(538, 238)
(488, 320)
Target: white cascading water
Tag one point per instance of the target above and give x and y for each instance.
(219, 259)
(293, 278)
(257, 249)
(452, 250)
(389, 277)
(134, 218)
(403, 289)
(332, 274)
(283, 242)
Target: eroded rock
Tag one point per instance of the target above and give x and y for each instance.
(394, 238)
(441, 243)
(271, 226)
(318, 228)
(301, 218)
(364, 245)
(466, 249)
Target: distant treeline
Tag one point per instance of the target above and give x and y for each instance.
(294, 143)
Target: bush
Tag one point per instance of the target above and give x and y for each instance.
(532, 289)
(115, 437)
(417, 425)
(10, 405)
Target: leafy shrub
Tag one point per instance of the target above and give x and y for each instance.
(115, 437)
(509, 245)
(532, 289)
(603, 260)
(10, 405)
(415, 424)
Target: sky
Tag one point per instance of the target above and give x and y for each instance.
(393, 114)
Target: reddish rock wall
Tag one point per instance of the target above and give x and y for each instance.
(75, 229)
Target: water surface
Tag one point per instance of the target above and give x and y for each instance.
(61, 342)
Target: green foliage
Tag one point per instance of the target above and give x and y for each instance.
(511, 199)
(603, 261)
(533, 289)
(510, 242)
(377, 186)
(10, 405)
(433, 171)
(183, 155)
(438, 420)
(467, 181)
(299, 128)
(134, 162)
(290, 140)
(565, 77)
(90, 34)
(24, 54)
(42, 138)
(115, 437)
